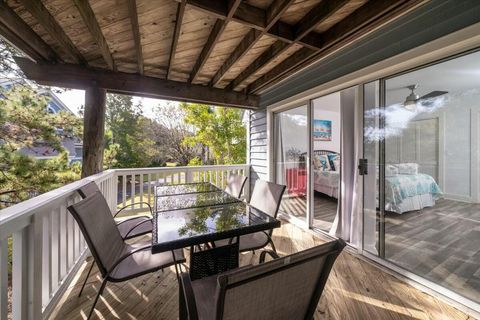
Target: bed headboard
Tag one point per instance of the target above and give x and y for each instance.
(320, 152)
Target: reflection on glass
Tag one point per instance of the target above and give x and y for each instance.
(169, 189)
(431, 188)
(291, 146)
(191, 200)
(186, 223)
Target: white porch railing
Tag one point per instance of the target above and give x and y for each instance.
(47, 245)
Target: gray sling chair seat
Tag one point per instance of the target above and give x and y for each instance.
(129, 228)
(116, 260)
(284, 288)
(266, 196)
(235, 185)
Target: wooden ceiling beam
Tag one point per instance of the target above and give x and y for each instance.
(176, 35)
(91, 22)
(274, 12)
(20, 35)
(48, 22)
(81, 77)
(362, 21)
(132, 12)
(256, 18)
(213, 38)
(304, 27)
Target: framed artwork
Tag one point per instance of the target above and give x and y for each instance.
(322, 130)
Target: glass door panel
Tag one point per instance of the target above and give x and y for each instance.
(290, 155)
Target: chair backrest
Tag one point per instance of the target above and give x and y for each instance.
(267, 196)
(88, 189)
(99, 230)
(285, 288)
(235, 185)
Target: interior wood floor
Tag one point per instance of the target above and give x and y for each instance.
(355, 290)
(441, 243)
(325, 209)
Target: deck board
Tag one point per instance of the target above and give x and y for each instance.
(355, 290)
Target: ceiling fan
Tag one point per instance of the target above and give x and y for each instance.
(412, 99)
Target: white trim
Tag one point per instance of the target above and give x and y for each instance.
(451, 44)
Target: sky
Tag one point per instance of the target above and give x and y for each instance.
(74, 99)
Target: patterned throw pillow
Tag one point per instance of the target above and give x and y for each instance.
(334, 161)
(324, 162)
(317, 165)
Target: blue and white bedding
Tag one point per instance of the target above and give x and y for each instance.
(408, 192)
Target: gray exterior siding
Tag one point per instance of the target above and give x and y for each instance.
(258, 146)
(435, 19)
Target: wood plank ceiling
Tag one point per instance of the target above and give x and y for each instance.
(220, 46)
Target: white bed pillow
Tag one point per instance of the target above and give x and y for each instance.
(407, 168)
(391, 170)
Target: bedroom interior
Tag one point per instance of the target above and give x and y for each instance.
(424, 125)
(430, 224)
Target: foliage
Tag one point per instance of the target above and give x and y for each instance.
(25, 124)
(128, 142)
(170, 132)
(218, 128)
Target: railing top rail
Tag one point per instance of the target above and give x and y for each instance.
(182, 168)
(26, 208)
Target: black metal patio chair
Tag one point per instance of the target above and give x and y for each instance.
(116, 260)
(284, 288)
(235, 185)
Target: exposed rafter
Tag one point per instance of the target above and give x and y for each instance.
(304, 27)
(19, 34)
(46, 20)
(359, 23)
(81, 77)
(256, 18)
(91, 22)
(176, 35)
(132, 11)
(274, 12)
(214, 36)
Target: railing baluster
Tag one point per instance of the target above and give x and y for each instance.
(124, 190)
(20, 274)
(149, 187)
(141, 190)
(63, 249)
(132, 189)
(55, 249)
(4, 278)
(69, 240)
(46, 257)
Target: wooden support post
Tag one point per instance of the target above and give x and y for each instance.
(93, 131)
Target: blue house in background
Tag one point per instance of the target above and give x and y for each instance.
(73, 145)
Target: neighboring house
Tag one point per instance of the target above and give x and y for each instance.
(73, 145)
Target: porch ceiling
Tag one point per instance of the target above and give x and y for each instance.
(218, 52)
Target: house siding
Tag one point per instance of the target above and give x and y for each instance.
(431, 21)
(257, 152)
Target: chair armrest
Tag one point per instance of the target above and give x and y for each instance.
(138, 224)
(264, 252)
(132, 204)
(188, 307)
(126, 256)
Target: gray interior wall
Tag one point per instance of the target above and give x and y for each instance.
(433, 20)
(258, 146)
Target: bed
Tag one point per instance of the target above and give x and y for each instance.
(326, 170)
(408, 190)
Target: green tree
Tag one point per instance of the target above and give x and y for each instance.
(25, 124)
(126, 128)
(220, 129)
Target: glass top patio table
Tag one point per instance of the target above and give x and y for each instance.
(180, 227)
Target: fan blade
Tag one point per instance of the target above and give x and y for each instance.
(433, 94)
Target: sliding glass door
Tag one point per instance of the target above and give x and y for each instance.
(290, 157)
(422, 190)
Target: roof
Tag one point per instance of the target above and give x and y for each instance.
(220, 52)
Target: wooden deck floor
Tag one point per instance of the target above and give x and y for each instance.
(355, 290)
